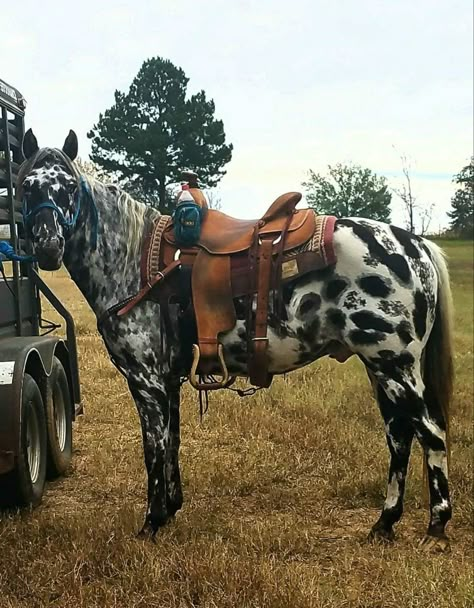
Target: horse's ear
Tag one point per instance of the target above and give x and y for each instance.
(30, 144)
(71, 145)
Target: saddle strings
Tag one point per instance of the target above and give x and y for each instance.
(203, 401)
(204, 394)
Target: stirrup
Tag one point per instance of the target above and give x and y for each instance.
(226, 379)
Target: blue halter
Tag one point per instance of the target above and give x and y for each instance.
(83, 192)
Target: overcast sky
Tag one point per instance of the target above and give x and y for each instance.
(298, 84)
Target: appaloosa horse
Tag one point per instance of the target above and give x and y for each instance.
(387, 300)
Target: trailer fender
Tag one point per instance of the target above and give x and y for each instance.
(20, 355)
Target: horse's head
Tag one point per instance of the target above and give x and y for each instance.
(48, 187)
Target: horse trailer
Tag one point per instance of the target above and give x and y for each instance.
(39, 379)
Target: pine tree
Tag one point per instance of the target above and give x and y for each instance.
(156, 130)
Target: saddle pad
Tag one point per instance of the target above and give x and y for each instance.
(316, 254)
(322, 241)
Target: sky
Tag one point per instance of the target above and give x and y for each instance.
(299, 85)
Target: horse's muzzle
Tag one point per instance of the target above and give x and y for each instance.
(49, 253)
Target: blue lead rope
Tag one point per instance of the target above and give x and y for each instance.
(9, 253)
(86, 189)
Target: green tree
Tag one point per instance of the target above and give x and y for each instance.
(349, 190)
(462, 213)
(156, 130)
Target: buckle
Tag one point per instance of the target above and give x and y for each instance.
(275, 242)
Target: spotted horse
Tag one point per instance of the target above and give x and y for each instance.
(386, 299)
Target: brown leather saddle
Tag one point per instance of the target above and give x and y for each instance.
(234, 258)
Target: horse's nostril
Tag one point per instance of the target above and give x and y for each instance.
(52, 245)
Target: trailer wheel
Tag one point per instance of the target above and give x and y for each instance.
(25, 484)
(59, 421)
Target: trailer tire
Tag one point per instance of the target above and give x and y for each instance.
(25, 484)
(58, 421)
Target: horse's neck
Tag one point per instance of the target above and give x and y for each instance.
(111, 272)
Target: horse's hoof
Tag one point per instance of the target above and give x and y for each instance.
(381, 536)
(147, 533)
(435, 544)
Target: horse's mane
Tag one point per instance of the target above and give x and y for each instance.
(134, 214)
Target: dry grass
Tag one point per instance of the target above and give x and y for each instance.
(280, 491)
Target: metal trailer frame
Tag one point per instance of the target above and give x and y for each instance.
(23, 348)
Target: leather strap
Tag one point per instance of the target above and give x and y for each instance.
(258, 363)
(213, 304)
(277, 294)
(148, 287)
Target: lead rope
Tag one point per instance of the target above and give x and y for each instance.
(7, 250)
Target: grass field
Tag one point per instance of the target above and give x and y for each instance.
(280, 492)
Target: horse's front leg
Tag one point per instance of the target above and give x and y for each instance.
(153, 405)
(173, 477)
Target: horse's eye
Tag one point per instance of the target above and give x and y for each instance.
(29, 185)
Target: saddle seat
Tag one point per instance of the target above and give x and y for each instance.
(222, 234)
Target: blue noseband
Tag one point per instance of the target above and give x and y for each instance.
(50, 204)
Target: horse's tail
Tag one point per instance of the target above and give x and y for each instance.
(438, 368)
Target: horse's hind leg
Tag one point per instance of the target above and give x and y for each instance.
(399, 432)
(402, 393)
(430, 428)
